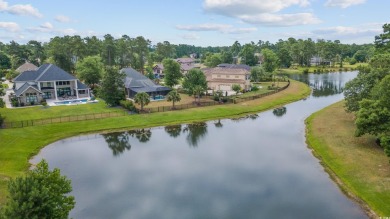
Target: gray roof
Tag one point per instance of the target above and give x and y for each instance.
(81, 86)
(26, 67)
(46, 72)
(27, 76)
(23, 88)
(225, 65)
(140, 83)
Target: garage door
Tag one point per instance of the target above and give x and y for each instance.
(225, 87)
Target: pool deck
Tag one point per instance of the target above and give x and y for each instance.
(52, 102)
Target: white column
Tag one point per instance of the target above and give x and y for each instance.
(55, 89)
(77, 91)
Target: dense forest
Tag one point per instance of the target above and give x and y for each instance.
(138, 52)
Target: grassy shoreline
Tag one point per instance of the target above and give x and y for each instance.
(357, 165)
(19, 145)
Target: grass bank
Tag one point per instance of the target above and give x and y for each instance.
(358, 165)
(17, 146)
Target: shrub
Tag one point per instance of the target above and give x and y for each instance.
(14, 102)
(43, 103)
(2, 118)
(305, 71)
(254, 88)
(352, 61)
(127, 104)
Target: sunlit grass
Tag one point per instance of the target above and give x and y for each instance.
(359, 163)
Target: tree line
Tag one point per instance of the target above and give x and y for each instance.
(368, 95)
(138, 52)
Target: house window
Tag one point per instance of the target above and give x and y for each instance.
(62, 82)
(218, 76)
(236, 76)
(47, 95)
(31, 97)
(63, 91)
(81, 91)
(227, 76)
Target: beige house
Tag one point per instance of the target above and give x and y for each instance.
(223, 78)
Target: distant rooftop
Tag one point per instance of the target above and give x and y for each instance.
(26, 67)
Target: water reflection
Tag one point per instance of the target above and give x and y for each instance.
(251, 116)
(143, 135)
(218, 124)
(196, 131)
(279, 112)
(323, 85)
(173, 130)
(118, 142)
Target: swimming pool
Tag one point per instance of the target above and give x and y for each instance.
(158, 97)
(67, 102)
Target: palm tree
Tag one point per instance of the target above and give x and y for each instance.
(142, 98)
(198, 90)
(173, 96)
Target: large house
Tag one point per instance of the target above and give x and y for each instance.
(135, 82)
(224, 76)
(186, 64)
(48, 82)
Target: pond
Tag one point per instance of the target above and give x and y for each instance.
(257, 166)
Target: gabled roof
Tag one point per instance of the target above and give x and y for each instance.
(23, 88)
(50, 72)
(26, 67)
(225, 65)
(47, 72)
(139, 82)
(159, 66)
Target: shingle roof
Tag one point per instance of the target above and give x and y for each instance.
(47, 72)
(81, 86)
(186, 67)
(160, 66)
(26, 67)
(226, 71)
(224, 65)
(50, 72)
(139, 82)
(27, 76)
(23, 88)
(185, 60)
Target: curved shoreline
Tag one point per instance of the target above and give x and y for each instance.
(338, 157)
(18, 146)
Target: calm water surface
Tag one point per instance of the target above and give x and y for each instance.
(254, 167)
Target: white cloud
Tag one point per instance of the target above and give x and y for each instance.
(19, 9)
(263, 12)
(62, 19)
(281, 19)
(9, 26)
(343, 3)
(68, 31)
(47, 25)
(222, 28)
(249, 7)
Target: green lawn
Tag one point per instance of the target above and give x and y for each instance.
(5, 86)
(17, 146)
(359, 166)
(40, 112)
(262, 89)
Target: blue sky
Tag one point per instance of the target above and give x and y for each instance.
(195, 22)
